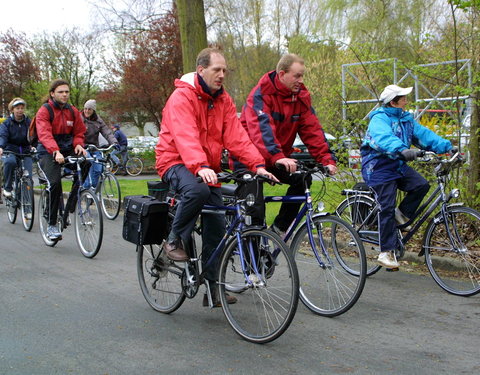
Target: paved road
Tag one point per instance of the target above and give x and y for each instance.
(61, 313)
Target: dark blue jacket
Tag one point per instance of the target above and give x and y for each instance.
(121, 137)
(13, 134)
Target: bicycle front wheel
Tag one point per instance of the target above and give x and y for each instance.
(268, 278)
(43, 219)
(110, 196)
(160, 279)
(356, 212)
(134, 166)
(88, 224)
(331, 264)
(27, 203)
(454, 260)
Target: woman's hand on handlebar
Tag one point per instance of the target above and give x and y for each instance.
(263, 172)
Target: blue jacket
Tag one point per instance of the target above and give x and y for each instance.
(121, 137)
(13, 134)
(390, 131)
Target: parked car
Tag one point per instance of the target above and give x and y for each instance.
(300, 151)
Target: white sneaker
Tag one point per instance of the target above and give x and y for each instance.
(7, 194)
(387, 259)
(28, 216)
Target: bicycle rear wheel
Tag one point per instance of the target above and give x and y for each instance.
(269, 297)
(43, 219)
(110, 196)
(455, 264)
(355, 211)
(27, 203)
(332, 283)
(160, 279)
(88, 224)
(134, 166)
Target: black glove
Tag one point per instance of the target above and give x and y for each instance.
(409, 154)
(453, 150)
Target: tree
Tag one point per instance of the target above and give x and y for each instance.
(18, 68)
(145, 73)
(193, 31)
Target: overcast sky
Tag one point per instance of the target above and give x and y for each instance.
(36, 16)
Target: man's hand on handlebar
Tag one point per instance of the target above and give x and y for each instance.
(290, 165)
(332, 169)
(263, 172)
(208, 175)
(79, 150)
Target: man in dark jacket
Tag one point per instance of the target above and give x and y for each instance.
(123, 147)
(62, 136)
(13, 137)
(278, 108)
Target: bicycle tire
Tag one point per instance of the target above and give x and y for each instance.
(134, 166)
(354, 211)
(332, 283)
(27, 203)
(110, 196)
(455, 267)
(11, 208)
(88, 224)
(43, 220)
(160, 279)
(266, 308)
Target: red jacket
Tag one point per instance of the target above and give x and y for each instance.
(273, 116)
(66, 131)
(196, 128)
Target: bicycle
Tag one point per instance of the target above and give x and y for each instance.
(322, 244)
(254, 262)
(451, 242)
(133, 165)
(22, 193)
(88, 219)
(108, 187)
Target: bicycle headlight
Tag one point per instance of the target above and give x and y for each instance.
(455, 193)
(250, 200)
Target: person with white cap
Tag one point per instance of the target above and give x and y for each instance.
(13, 137)
(95, 126)
(385, 152)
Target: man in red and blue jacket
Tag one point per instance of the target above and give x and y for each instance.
(61, 133)
(278, 108)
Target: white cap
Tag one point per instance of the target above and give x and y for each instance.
(392, 91)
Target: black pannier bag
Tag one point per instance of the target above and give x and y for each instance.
(158, 189)
(145, 220)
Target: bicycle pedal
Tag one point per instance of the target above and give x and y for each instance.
(392, 269)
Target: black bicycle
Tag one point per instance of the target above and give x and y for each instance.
(22, 197)
(108, 187)
(451, 241)
(88, 219)
(254, 262)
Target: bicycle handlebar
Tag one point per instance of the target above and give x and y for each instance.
(8, 152)
(95, 148)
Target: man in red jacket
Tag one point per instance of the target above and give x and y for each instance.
(61, 133)
(199, 120)
(278, 108)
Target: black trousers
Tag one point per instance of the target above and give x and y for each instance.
(288, 211)
(52, 172)
(193, 196)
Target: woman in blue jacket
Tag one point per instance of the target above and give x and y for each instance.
(385, 151)
(13, 137)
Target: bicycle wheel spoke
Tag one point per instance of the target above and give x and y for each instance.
(454, 259)
(332, 268)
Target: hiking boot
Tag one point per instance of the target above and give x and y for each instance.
(387, 259)
(53, 233)
(174, 251)
(215, 300)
